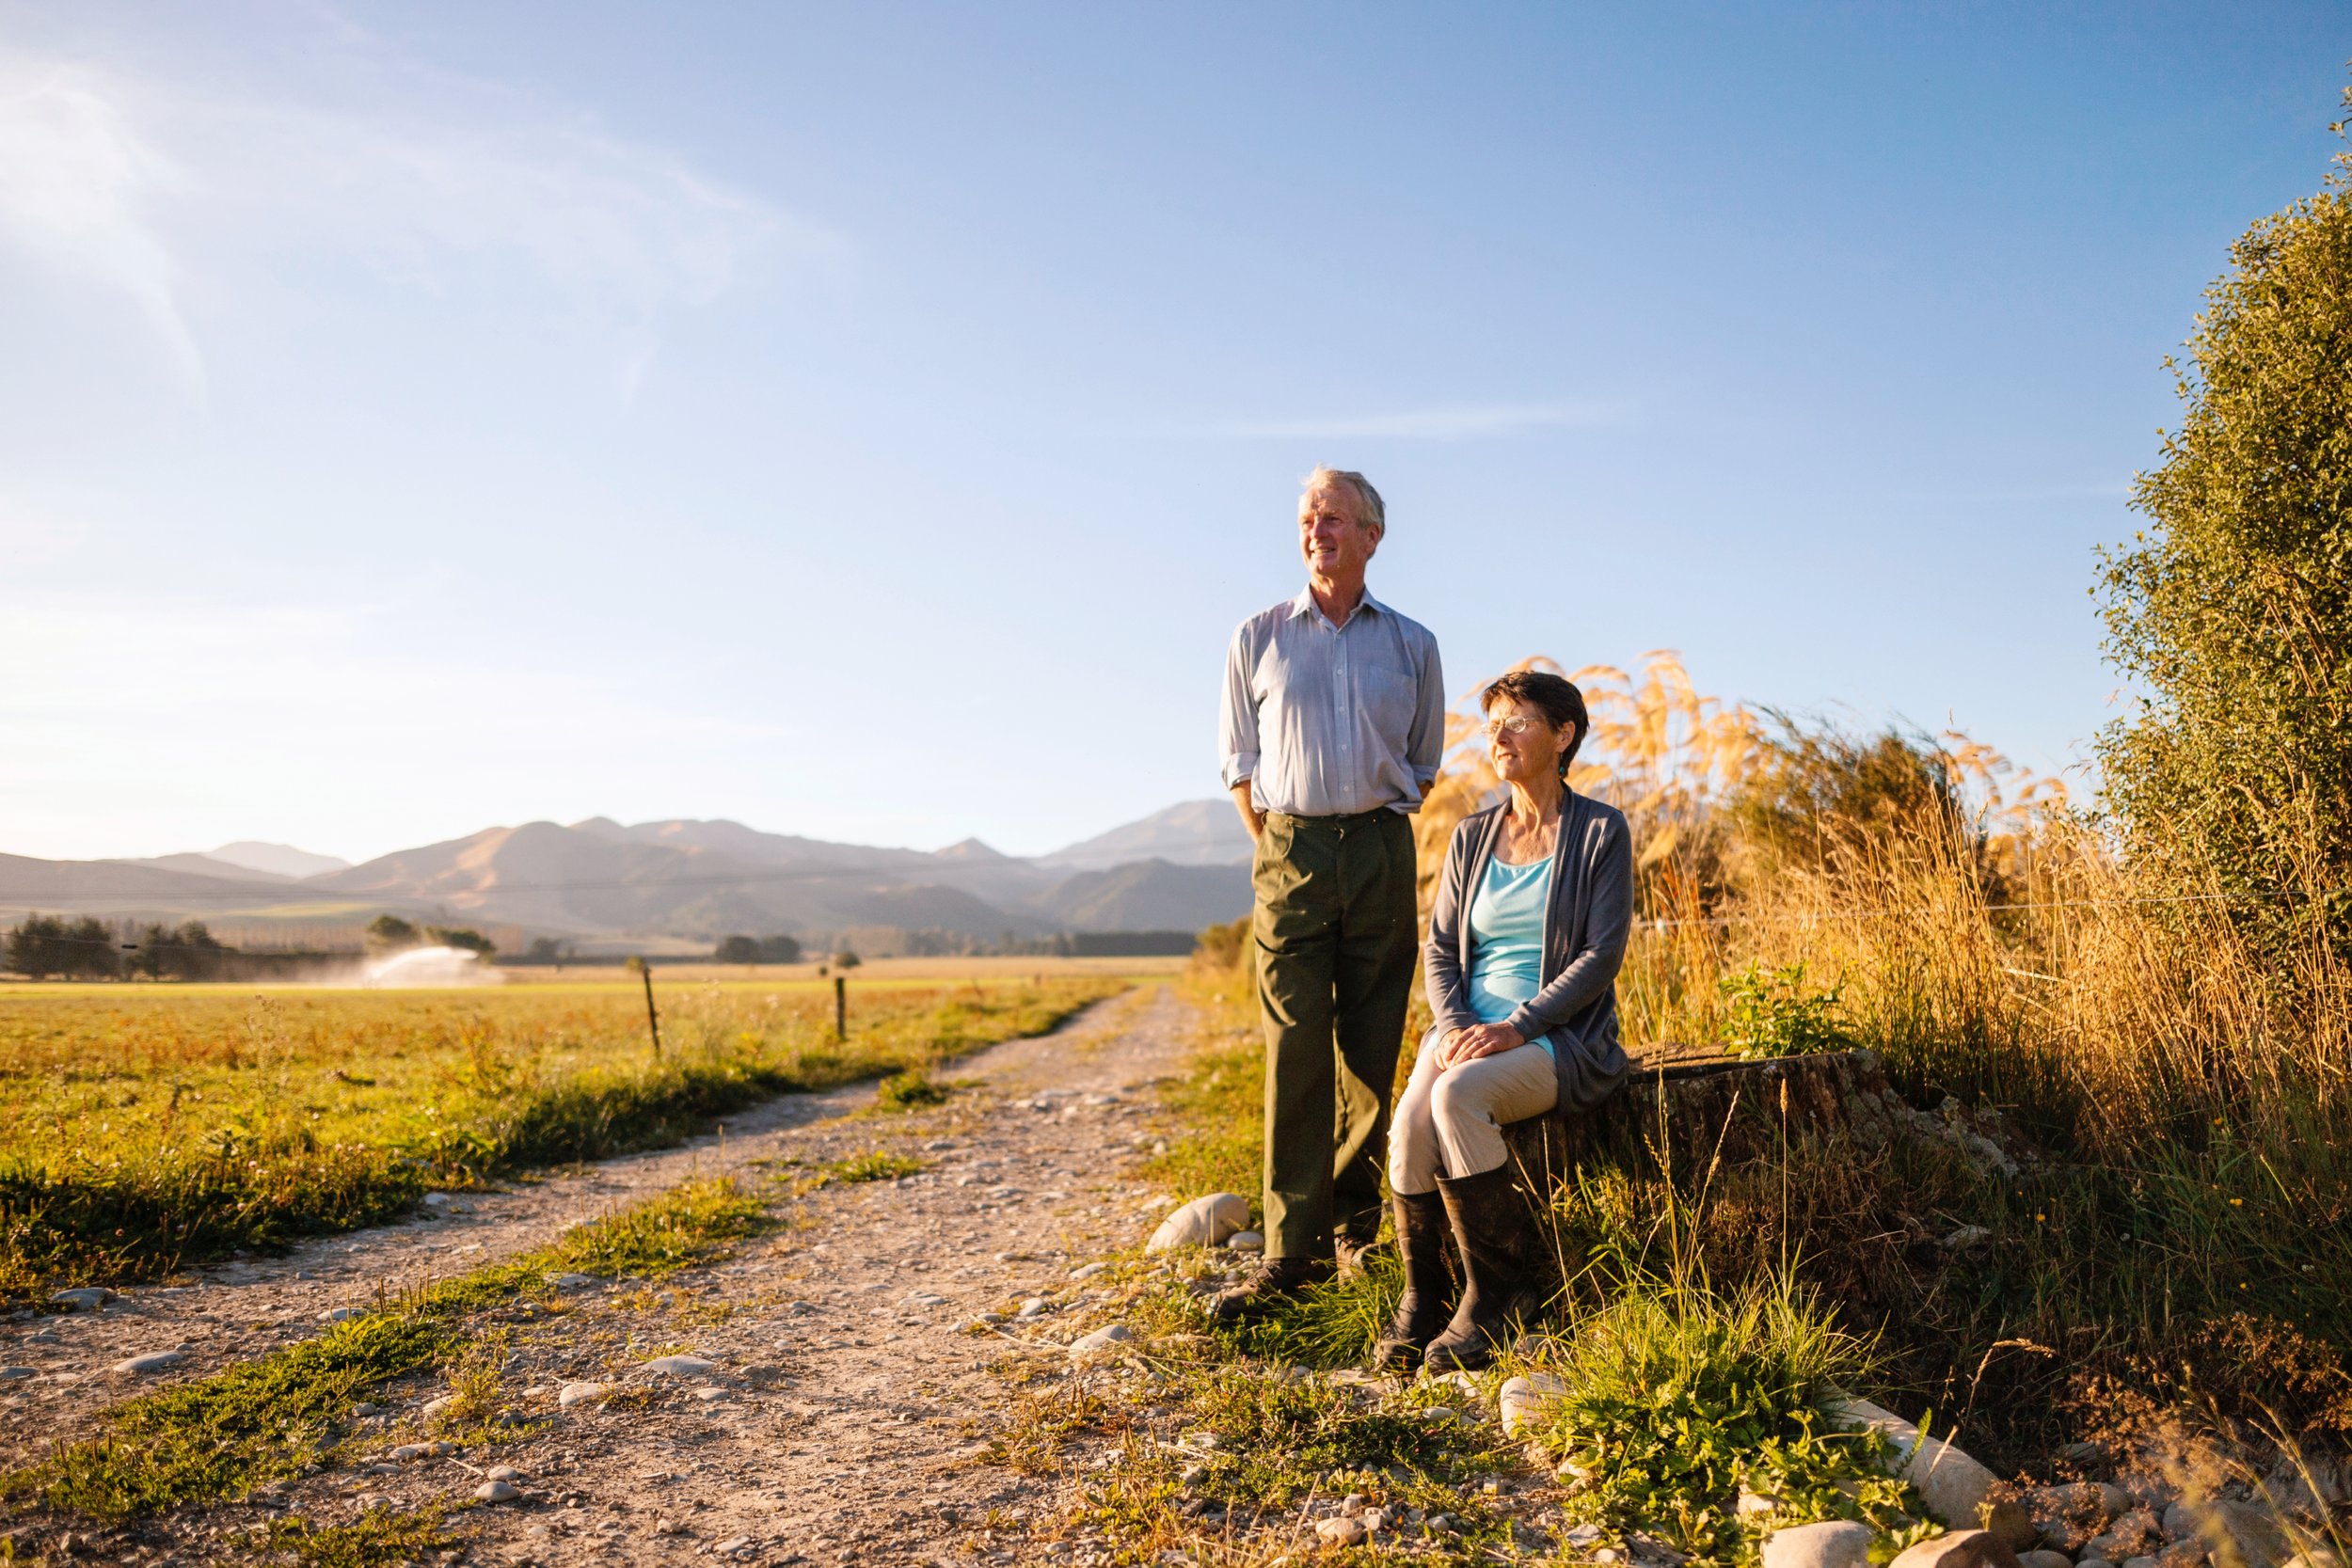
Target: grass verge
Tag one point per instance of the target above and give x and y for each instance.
(141, 1135)
(218, 1438)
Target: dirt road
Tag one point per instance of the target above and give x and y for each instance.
(841, 1404)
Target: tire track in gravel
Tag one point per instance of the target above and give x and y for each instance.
(838, 1417)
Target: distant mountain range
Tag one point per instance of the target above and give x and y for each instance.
(1179, 869)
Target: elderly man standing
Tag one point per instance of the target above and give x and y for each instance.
(1333, 722)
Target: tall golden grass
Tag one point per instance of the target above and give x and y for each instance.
(1983, 933)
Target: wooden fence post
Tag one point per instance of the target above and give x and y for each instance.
(653, 1019)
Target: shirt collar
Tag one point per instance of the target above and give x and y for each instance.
(1305, 605)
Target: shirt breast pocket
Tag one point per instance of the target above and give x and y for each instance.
(1390, 697)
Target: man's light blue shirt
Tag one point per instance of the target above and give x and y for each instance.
(1329, 720)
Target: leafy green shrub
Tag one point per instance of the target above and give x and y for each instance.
(1770, 1013)
(2233, 609)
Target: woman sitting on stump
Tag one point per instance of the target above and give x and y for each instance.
(1525, 938)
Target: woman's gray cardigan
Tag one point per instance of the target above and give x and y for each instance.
(1586, 921)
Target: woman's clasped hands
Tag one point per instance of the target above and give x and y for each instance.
(1479, 1039)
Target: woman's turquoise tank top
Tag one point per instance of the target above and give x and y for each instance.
(1506, 920)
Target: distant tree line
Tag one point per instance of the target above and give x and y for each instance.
(47, 946)
(884, 942)
(758, 950)
(53, 947)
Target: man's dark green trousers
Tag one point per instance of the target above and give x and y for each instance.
(1335, 930)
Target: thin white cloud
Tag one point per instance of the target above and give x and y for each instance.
(426, 183)
(1443, 424)
(77, 181)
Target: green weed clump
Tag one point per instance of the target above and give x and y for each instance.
(1674, 1399)
(911, 1090)
(380, 1538)
(873, 1165)
(1277, 1438)
(218, 1438)
(1770, 1013)
(146, 1131)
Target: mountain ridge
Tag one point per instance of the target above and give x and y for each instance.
(691, 878)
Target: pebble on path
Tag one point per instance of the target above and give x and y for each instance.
(156, 1361)
(1100, 1341)
(498, 1492)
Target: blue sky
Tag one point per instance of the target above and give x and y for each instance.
(870, 422)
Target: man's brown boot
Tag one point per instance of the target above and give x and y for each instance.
(1267, 1285)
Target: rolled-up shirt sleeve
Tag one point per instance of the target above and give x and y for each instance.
(1425, 744)
(1237, 713)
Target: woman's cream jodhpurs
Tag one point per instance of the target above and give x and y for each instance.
(1450, 1123)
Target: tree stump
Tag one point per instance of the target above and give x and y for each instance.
(1684, 1106)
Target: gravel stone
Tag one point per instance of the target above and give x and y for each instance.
(1832, 1543)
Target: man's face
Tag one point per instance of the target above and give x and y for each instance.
(1332, 535)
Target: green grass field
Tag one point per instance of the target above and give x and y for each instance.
(146, 1128)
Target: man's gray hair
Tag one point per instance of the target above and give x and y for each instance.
(1367, 499)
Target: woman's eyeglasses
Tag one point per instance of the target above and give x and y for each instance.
(1518, 724)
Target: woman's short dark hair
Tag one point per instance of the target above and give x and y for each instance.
(1555, 697)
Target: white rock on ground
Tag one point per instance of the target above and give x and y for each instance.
(1965, 1548)
(89, 1298)
(1209, 1220)
(342, 1314)
(1247, 1240)
(1957, 1489)
(156, 1361)
(1525, 1401)
(498, 1492)
(1833, 1543)
(1101, 1341)
(580, 1393)
(678, 1366)
(1341, 1532)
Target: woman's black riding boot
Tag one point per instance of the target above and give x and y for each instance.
(1421, 1237)
(1494, 1229)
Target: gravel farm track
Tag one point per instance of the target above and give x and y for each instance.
(847, 1400)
